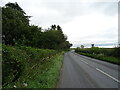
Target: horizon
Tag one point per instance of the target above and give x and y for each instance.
(111, 45)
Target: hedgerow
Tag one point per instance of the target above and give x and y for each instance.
(23, 62)
(106, 54)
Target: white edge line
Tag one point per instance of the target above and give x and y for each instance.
(108, 75)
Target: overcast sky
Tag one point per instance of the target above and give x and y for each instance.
(83, 22)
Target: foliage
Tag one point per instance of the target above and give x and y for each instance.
(105, 51)
(108, 54)
(17, 31)
(116, 52)
(15, 6)
(50, 76)
(103, 57)
(20, 61)
(82, 46)
(14, 24)
(23, 60)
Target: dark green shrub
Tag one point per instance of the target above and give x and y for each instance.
(12, 64)
(22, 61)
(102, 51)
(116, 52)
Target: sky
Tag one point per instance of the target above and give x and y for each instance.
(85, 22)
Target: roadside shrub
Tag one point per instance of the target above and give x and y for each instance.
(116, 52)
(102, 51)
(12, 64)
(22, 61)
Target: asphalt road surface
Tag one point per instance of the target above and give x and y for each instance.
(79, 71)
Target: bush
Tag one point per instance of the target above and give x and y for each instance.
(18, 61)
(116, 52)
(104, 51)
(107, 54)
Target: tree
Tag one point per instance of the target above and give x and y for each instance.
(17, 31)
(59, 28)
(92, 45)
(54, 39)
(14, 23)
(15, 6)
(53, 27)
(82, 46)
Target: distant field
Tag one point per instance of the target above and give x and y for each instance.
(106, 54)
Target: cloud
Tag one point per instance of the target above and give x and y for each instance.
(90, 24)
(83, 21)
(57, 12)
(108, 8)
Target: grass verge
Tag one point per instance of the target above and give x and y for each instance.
(103, 57)
(26, 67)
(50, 76)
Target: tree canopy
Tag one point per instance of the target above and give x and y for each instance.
(18, 31)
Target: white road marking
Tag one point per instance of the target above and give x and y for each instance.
(84, 62)
(108, 75)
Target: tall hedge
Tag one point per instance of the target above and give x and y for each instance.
(105, 51)
(22, 60)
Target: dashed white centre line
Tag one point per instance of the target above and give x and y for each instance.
(84, 62)
(108, 75)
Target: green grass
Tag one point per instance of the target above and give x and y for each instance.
(47, 79)
(38, 68)
(103, 57)
(50, 77)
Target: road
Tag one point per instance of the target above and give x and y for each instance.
(79, 71)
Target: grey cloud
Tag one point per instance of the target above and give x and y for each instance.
(108, 8)
(110, 34)
(68, 10)
(112, 9)
(108, 37)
